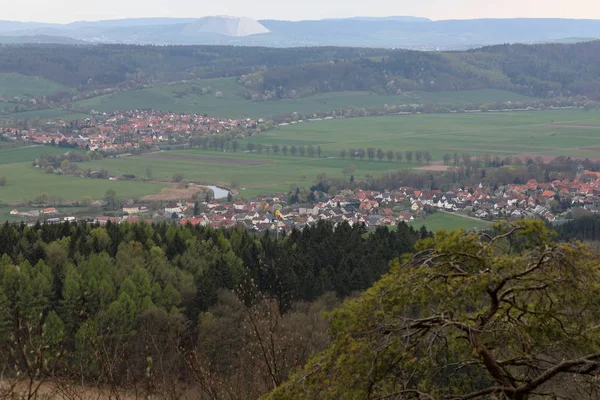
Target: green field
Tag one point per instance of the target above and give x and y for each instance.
(6, 217)
(6, 106)
(550, 133)
(164, 97)
(15, 85)
(28, 154)
(449, 222)
(48, 114)
(24, 182)
(526, 134)
(256, 174)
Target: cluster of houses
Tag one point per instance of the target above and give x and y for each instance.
(550, 201)
(387, 208)
(48, 212)
(124, 130)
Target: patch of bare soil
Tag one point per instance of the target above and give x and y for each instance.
(61, 390)
(434, 168)
(524, 155)
(174, 192)
(587, 149)
(577, 126)
(548, 158)
(50, 390)
(204, 159)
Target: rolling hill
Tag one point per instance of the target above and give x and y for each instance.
(268, 81)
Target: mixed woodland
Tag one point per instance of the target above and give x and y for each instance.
(162, 311)
(159, 308)
(542, 70)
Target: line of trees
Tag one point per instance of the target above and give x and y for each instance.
(310, 150)
(371, 153)
(486, 160)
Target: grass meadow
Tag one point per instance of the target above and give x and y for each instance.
(16, 85)
(166, 98)
(253, 173)
(6, 106)
(449, 222)
(24, 181)
(48, 114)
(547, 133)
(28, 154)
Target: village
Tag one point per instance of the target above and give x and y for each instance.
(125, 131)
(406, 204)
(553, 201)
(129, 130)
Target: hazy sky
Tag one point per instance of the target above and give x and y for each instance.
(75, 10)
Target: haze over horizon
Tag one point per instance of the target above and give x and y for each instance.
(66, 11)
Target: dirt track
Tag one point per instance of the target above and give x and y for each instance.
(204, 159)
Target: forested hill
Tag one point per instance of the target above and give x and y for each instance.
(105, 65)
(543, 70)
(539, 70)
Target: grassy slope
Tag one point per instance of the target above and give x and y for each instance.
(49, 114)
(12, 85)
(500, 134)
(232, 105)
(28, 154)
(437, 221)
(24, 182)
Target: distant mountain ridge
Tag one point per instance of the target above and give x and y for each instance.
(376, 32)
(39, 39)
(398, 18)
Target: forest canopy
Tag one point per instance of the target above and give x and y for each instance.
(147, 307)
(144, 310)
(542, 70)
(509, 315)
